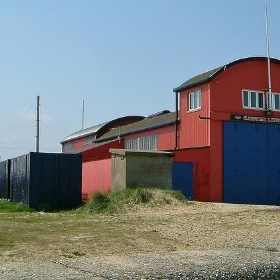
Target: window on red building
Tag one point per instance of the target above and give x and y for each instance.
(253, 99)
(195, 100)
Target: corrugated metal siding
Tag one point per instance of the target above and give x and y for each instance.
(20, 179)
(96, 177)
(5, 179)
(51, 179)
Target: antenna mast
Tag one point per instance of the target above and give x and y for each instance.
(83, 114)
(268, 61)
(37, 124)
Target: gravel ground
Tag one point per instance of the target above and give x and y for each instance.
(232, 263)
(217, 245)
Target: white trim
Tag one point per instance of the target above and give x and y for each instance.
(249, 100)
(194, 100)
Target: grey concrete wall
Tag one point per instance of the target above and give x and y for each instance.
(149, 171)
(141, 168)
(118, 172)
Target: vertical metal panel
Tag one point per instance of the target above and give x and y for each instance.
(182, 178)
(273, 157)
(251, 163)
(5, 179)
(51, 179)
(20, 179)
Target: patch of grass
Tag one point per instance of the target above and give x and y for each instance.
(99, 203)
(79, 254)
(5, 241)
(177, 195)
(114, 202)
(142, 195)
(271, 249)
(7, 206)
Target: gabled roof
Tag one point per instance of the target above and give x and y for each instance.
(146, 124)
(209, 75)
(98, 129)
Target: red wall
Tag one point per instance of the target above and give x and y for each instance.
(200, 158)
(78, 143)
(226, 88)
(96, 177)
(193, 131)
(102, 151)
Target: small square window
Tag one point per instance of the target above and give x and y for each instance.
(194, 100)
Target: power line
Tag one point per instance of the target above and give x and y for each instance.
(14, 148)
(15, 123)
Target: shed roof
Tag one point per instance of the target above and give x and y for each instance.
(211, 74)
(125, 152)
(83, 132)
(97, 128)
(143, 125)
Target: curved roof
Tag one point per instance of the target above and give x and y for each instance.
(209, 75)
(98, 129)
(161, 120)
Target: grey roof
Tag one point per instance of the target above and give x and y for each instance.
(209, 75)
(146, 124)
(87, 147)
(99, 129)
(199, 79)
(83, 133)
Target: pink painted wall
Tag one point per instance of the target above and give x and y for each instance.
(96, 177)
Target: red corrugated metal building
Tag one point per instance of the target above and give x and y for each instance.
(225, 133)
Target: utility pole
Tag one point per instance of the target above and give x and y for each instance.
(37, 123)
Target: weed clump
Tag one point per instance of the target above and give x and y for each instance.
(99, 203)
(129, 199)
(142, 195)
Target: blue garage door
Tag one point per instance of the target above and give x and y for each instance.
(251, 163)
(182, 178)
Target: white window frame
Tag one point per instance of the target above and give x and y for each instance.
(272, 102)
(194, 100)
(253, 103)
(149, 142)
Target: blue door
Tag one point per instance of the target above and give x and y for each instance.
(182, 178)
(251, 163)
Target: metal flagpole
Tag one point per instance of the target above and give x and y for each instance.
(268, 61)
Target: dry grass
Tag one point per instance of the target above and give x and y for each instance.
(138, 228)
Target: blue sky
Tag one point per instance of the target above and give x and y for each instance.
(122, 57)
